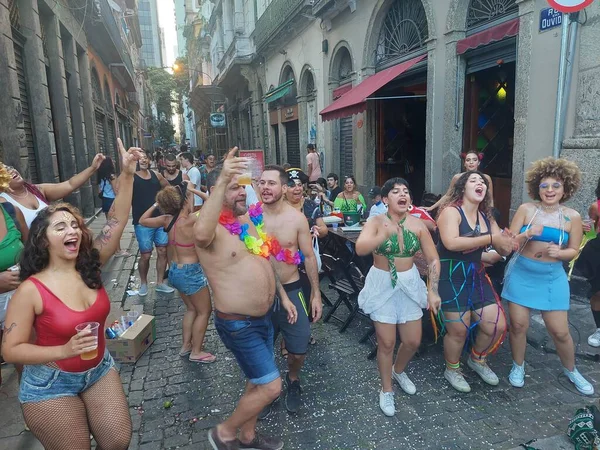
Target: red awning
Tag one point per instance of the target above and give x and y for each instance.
(355, 100)
(494, 34)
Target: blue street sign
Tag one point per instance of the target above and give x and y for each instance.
(550, 18)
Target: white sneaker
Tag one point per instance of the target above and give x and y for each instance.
(456, 380)
(405, 383)
(386, 403)
(165, 288)
(484, 372)
(580, 383)
(517, 375)
(594, 339)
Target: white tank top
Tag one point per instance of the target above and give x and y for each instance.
(29, 214)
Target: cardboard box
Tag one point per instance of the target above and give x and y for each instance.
(128, 347)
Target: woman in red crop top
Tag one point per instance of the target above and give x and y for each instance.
(185, 273)
(64, 397)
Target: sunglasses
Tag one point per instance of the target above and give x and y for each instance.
(555, 185)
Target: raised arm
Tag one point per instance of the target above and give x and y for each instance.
(57, 191)
(108, 239)
(154, 222)
(206, 225)
(445, 196)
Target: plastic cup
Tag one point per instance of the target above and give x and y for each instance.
(91, 352)
(252, 172)
(334, 225)
(132, 316)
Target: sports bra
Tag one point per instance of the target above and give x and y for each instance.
(56, 325)
(390, 248)
(174, 241)
(465, 230)
(549, 234)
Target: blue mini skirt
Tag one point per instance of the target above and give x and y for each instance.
(540, 285)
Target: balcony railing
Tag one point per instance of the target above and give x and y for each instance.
(277, 14)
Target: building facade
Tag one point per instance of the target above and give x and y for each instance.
(402, 87)
(151, 55)
(51, 53)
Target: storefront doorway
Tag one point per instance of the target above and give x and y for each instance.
(401, 127)
(489, 127)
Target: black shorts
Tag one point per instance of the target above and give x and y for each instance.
(296, 335)
(588, 264)
(464, 286)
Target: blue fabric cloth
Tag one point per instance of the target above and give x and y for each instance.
(187, 278)
(106, 189)
(540, 285)
(251, 342)
(550, 234)
(40, 382)
(106, 204)
(147, 237)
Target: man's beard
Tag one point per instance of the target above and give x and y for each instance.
(238, 209)
(274, 199)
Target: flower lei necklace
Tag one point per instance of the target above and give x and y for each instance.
(264, 245)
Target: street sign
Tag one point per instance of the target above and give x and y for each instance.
(550, 18)
(569, 6)
(217, 120)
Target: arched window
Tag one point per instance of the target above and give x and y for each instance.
(345, 67)
(96, 88)
(404, 30)
(107, 96)
(308, 83)
(484, 12)
(290, 97)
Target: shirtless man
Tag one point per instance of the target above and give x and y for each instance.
(290, 227)
(243, 286)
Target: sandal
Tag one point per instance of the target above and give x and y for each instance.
(208, 358)
(312, 340)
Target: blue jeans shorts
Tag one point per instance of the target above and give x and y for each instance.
(147, 237)
(251, 342)
(106, 204)
(40, 382)
(187, 278)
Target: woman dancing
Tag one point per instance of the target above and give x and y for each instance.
(394, 293)
(468, 299)
(185, 273)
(549, 234)
(350, 198)
(588, 264)
(64, 395)
(472, 161)
(32, 198)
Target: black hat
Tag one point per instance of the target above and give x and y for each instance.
(297, 174)
(374, 192)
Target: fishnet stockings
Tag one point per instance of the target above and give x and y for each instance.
(65, 423)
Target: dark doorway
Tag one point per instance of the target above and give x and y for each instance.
(401, 136)
(489, 127)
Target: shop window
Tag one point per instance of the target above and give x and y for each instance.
(404, 31)
(482, 13)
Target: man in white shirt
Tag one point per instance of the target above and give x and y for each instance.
(378, 206)
(188, 168)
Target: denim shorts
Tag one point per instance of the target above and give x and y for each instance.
(106, 204)
(251, 342)
(187, 278)
(147, 237)
(40, 382)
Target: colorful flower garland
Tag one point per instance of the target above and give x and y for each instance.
(264, 245)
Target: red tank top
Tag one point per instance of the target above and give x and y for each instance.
(56, 325)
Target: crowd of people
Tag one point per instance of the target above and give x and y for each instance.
(209, 227)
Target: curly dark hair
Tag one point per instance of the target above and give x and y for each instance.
(106, 169)
(36, 256)
(456, 196)
(560, 169)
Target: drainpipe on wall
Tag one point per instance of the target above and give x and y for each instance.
(567, 56)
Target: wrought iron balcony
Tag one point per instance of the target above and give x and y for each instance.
(282, 17)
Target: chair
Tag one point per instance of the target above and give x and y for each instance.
(347, 280)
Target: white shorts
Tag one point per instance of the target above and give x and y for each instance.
(386, 304)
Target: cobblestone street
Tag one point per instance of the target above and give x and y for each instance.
(340, 390)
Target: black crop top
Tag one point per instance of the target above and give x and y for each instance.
(465, 230)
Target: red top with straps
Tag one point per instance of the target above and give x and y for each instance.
(56, 325)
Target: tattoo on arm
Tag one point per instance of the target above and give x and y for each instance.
(105, 235)
(8, 330)
(433, 275)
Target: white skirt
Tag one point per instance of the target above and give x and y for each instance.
(386, 304)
